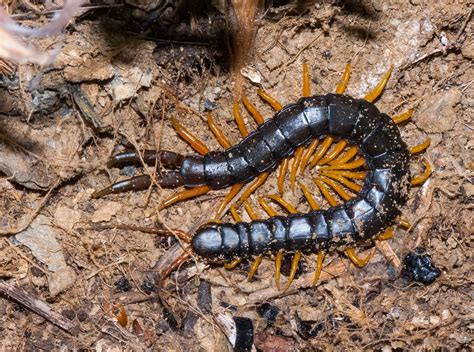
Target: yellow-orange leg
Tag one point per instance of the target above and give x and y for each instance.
(306, 82)
(267, 207)
(217, 132)
(235, 214)
(287, 206)
(357, 175)
(234, 190)
(239, 120)
(251, 211)
(294, 166)
(386, 235)
(190, 138)
(282, 174)
(360, 262)
(309, 197)
(322, 149)
(403, 223)
(374, 94)
(253, 111)
(319, 268)
(348, 166)
(344, 158)
(275, 104)
(183, 195)
(420, 179)
(402, 117)
(254, 267)
(260, 180)
(307, 154)
(336, 187)
(294, 267)
(278, 260)
(420, 147)
(341, 87)
(338, 148)
(232, 264)
(325, 192)
(341, 179)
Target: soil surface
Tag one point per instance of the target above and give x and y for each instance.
(123, 73)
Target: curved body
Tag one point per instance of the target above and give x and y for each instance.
(371, 211)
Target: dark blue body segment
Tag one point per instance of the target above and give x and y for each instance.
(360, 219)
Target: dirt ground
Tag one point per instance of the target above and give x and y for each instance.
(123, 72)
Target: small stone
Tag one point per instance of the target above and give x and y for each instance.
(82, 315)
(66, 217)
(69, 314)
(434, 320)
(445, 314)
(437, 114)
(123, 285)
(105, 212)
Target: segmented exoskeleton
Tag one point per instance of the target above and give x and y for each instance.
(294, 130)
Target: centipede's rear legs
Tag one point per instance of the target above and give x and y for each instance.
(170, 178)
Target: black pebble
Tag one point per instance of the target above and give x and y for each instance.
(418, 266)
(244, 339)
(69, 314)
(148, 287)
(308, 328)
(123, 285)
(204, 297)
(82, 315)
(268, 312)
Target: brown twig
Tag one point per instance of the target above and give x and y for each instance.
(38, 306)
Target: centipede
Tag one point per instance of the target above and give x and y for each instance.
(363, 174)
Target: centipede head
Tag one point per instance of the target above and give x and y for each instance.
(208, 242)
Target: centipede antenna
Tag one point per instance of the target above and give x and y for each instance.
(190, 138)
(260, 180)
(341, 179)
(319, 268)
(294, 166)
(309, 197)
(217, 132)
(239, 120)
(325, 192)
(420, 147)
(267, 207)
(322, 149)
(254, 267)
(360, 262)
(347, 166)
(274, 103)
(374, 94)
(183, 195)
(420, 179)
(251, 211)
(403, 223)
(235, 214)
(234, 190)
(307, 154)
(397, 119)
(282, 174)
(386, 235)
(294, 267)
(136, 183)
(253, 111)
(278, 260)
(336, 187)
(344, 158)
(341, 87)
(287, 206)
(306, 81)
(338, 148)
(232, 264)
